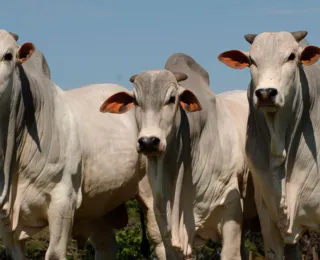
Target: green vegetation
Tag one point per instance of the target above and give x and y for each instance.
(130, 237)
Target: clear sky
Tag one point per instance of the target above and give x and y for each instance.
(108, 41)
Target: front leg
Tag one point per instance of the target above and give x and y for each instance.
(60, 217)
(14, 248)
(273, 242)
(231, 229)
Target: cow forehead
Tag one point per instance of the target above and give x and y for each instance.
(7, 41)
(154, 81)
(275, 43)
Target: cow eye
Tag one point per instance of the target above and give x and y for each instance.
(292, 56)
(172, 100)
(7, 57)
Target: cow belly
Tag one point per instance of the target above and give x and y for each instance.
(103, 192)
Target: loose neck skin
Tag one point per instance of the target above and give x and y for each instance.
(282, 124)
(282, 132)
(166, 174)
(20, 120)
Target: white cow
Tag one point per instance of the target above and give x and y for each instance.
(283, 133)
(194, 141)
(63, 162)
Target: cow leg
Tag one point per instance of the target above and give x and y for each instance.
(17, 252)
(103, 240)
(273, 242)
(60, 218)
(162, 252)
(14, 248)
(231, 230)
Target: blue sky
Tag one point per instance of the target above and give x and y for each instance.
(109, 41)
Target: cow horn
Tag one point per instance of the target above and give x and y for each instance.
(14, 35)
(250, 37)
(132, 78)
(180, 76)
(299, 35)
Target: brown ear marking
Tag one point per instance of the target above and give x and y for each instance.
(310, 55)
(118, 103)
(25, 51)
(180, 76)
(234, 59)
(189, 101)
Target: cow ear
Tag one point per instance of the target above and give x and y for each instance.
(310, 55)
(188, 101)
(118, 103)
(25, 51)
(235, 59)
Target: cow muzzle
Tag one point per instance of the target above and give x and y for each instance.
(150, 146)
(266, 98)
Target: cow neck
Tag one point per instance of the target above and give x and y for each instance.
(8, 146)
(302, 130)
(283, 128)
(22, 122)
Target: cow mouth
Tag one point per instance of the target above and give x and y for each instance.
(149, 152)
(153, 154)
(268, 106)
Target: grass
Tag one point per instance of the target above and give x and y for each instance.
(129, 240)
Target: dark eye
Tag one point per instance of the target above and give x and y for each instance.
(172, 100)
(292, 56)
(8, 57)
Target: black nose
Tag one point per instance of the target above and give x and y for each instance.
(264, 94)
(149, 144)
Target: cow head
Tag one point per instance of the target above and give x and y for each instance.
(157, 97)
(10, 56)
(273, 60)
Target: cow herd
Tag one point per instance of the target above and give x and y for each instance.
(202, 165)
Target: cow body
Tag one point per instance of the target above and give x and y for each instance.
(283, 134)
(63, 163)
(195, 160)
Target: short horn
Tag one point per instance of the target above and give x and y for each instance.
(132, 78)
(14, 35)
(299, 35)
(250, 37)
(180, 76)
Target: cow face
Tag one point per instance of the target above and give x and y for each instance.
(157, 97)
(10, 56)
(274, 65)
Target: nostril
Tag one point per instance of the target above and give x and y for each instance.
(155, 141)
(142, 141)
(272, 92)
(259, 93)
